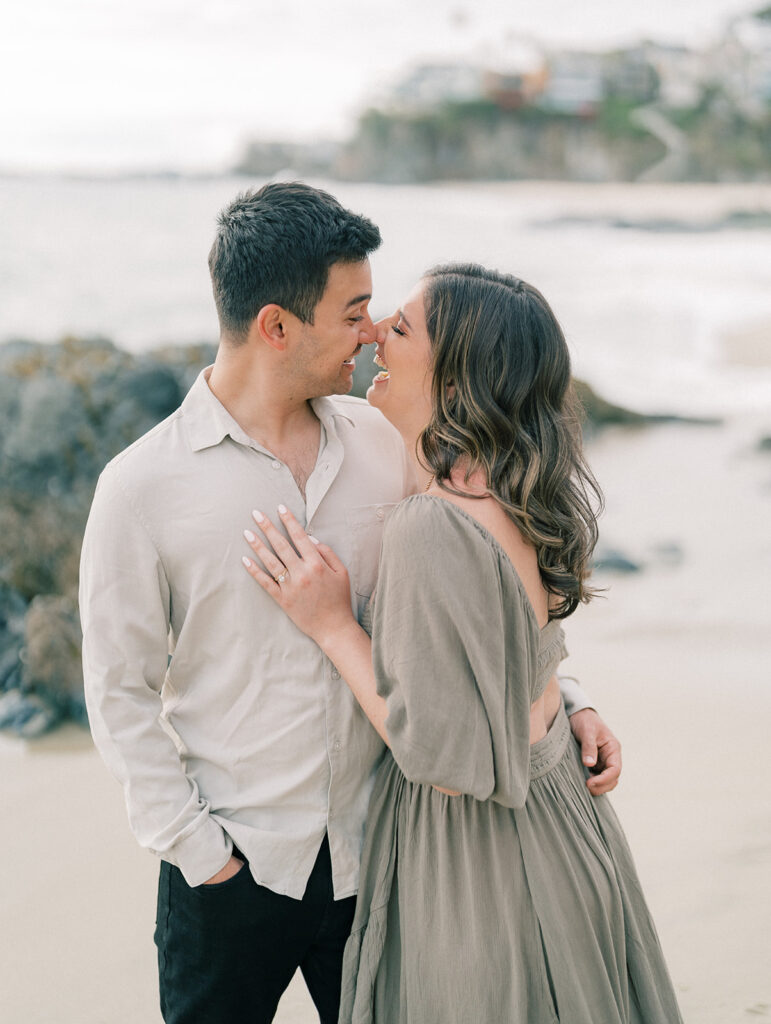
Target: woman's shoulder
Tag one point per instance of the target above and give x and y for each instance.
(429, 508)
(424, 523)
(418, 511)
(442, 536)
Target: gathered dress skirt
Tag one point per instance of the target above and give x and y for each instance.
(470, 912)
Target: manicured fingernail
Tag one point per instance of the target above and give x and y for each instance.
(247, 561)
(250, 536)
(312, 539)
(589, 760)
(257, 515)
(282, 510)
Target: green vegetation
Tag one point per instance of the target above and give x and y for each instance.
(724, 143)
(615, 121)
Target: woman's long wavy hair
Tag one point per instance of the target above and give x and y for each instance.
(504, 403)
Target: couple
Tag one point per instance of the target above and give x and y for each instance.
(495, 884)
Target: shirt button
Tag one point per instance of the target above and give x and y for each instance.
(337, 744)
(380, 513)
(276, 464)
(335, 674)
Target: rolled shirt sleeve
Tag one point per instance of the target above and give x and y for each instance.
(125, 613)
(574, 695)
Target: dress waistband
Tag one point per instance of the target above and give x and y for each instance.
(547, 752)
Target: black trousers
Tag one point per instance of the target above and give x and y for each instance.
(227, 952)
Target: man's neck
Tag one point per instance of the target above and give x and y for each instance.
(259, 407)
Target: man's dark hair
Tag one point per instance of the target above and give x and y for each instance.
(277, 245)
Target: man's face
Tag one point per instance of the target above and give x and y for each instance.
(323, 352)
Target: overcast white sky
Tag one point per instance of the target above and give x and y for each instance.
(182, 83)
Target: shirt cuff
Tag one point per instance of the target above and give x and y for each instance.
(574, 696)
(201, 854)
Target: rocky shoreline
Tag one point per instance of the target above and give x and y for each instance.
(65, 410)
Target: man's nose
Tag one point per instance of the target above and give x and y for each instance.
(380, 328)
(368, 332)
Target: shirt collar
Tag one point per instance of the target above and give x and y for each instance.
(208, 421)
(326, 410)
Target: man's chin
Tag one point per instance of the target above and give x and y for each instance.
(343, 385)
(336, 387)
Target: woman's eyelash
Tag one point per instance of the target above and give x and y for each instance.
(396, 330)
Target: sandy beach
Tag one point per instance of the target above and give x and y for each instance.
(676, 658)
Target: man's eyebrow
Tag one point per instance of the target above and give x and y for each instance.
(358, 300)
(404, 320)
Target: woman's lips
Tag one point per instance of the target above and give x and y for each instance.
(384, 373)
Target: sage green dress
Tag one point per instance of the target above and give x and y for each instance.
(517, 902)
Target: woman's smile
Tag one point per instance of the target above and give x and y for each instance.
(384, 373)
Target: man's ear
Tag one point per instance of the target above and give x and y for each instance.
(269, 326)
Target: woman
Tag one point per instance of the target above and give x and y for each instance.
(494, 888)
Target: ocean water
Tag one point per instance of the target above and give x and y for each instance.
(670, 312)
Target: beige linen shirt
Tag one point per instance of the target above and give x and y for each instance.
(246, 733)
(222, 721)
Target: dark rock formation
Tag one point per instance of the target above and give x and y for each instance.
(735, 220)
(600, 413)
(13, 609)
(65, 411)
(52, 665)
(610, 560)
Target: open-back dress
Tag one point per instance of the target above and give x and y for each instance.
(516, 902)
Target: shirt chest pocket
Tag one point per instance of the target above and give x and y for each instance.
(365, 525)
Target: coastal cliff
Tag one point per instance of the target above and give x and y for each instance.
(477, 141)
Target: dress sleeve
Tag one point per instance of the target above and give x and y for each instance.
(454, 654)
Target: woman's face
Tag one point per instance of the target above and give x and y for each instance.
(402, 390)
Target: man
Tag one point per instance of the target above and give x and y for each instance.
(245, 761)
